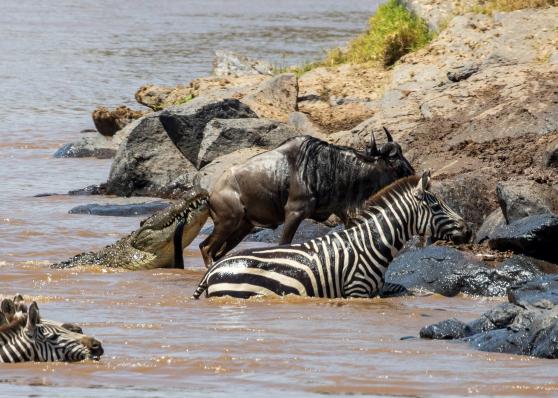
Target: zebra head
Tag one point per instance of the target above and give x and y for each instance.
(435, 218)
(29, 338)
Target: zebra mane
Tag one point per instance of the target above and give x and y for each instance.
(395, 187)
(15, 324)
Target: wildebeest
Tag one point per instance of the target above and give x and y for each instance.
(304, 177)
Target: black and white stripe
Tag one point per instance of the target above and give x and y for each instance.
(350, 263)
(25, 337)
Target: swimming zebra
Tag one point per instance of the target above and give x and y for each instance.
(25, 337)
(350, 263)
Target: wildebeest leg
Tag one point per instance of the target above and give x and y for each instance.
(293, 217)
(214, 242)
(234, 239)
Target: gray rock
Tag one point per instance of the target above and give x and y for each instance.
(146, 161)
(307, 230)
(528, 325)
(185, 124)
(490, 224)
(125, 210)
(551, 155)
(228, 63)
(535, 236)
(462, 72)
(519, 199)
(89, 145)
(100, 189)
(275, 98)
(302, 123)
(223, 136)
(449, 272)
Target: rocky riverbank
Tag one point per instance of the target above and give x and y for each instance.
(478, 105)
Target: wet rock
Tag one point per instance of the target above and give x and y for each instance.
(228, 63)
(520, 198)
(535, 236)
(307, 230)
(223, 136)
(551, 155)
(208, 174)
(100, 189)
(275, 98)
(124, 210)
(538, 293)
(462, 72)
(146, 161)
(89, 145)
(489, 225)
(185, 124)
(528, 325)
(108, 122)
(448, 271)
(446, 330)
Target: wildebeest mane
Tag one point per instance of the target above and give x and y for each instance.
(334, 173)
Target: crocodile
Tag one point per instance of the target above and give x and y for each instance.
(159, 241)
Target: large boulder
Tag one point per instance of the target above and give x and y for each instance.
(108, 122)
(520, 198)
(275, 98)
(146, 161)
(489, 225)
(527, 325)
(185, 124)
(228, 63)
(223, 136)
(551, 154)
(448, 272)
(535, 236)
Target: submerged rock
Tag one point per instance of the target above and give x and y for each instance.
(448, 272)
(100, 189)
(527, 325)
(535, 236)
(125, 210)
(89, 145)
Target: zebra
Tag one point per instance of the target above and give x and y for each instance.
(24, 336)
(349, 263)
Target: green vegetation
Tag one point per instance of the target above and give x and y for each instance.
(489, 6)
(393, 32)
(184, 99)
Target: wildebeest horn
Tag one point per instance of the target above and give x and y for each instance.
(389, 137)
(373, 149)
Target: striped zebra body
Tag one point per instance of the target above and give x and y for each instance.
(350, 263)
(25, 337)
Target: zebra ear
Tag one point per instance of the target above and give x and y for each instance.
(8, 309)
(19, 303)
(422, 186)
(33, 318)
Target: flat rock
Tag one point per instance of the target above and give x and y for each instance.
(185, 124)
(89, 145)
(535, 236)
(448, 272)
(94, 189)
(223, 136)
(124, 210)
(275, 98)
(538, 293)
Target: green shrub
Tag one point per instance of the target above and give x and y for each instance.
(393, 31)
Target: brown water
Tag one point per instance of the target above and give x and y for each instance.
(58, 60)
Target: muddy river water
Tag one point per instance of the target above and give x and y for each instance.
(58, 60)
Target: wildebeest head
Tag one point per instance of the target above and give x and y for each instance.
(391, 153)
